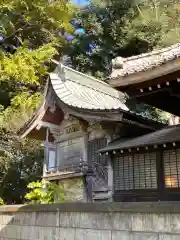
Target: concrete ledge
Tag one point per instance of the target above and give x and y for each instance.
(148, 207)
(61, 176)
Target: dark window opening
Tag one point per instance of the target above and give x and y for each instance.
(171, 161)
(136, 171)
(147, 176)
(98, 163)
(93, 155)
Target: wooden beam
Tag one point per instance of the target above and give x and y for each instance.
(147, 93)
(163, 101)
(174, 94)
(48, 125)
(138, 124)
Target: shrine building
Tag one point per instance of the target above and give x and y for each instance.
(80, 115)
(147, 168)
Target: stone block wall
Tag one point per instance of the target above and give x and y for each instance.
(80, 221)
(74, 188)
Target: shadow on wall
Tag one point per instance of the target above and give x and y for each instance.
(44, 222)
(91, 221)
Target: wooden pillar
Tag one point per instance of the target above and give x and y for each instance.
(46, 153)
(160, 176)
(110, 179)
(110, 173)
(85, 147)
(85, 160)
(89, 180)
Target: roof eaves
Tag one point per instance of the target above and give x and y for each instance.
(155, 138)
(85, 92)
(24, 130)
(143, 62)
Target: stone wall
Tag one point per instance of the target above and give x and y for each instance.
(74, 188)
(80, 221)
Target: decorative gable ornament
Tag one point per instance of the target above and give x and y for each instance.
(118, 63)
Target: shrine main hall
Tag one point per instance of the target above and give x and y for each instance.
(91, 136)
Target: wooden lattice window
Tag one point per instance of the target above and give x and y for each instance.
(98, 163)
(50, 157)
(171, 160)
(136, 171)
(93, 147)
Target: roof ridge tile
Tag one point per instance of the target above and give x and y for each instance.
(143, 62)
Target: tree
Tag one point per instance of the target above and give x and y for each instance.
(123, 28)
(20, 163)
(157, 22)
(104, 36)
(29, 38)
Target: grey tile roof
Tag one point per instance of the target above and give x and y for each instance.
(141, 63)
(79, 90)
(166, 135)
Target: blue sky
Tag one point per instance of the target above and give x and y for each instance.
(80, 2)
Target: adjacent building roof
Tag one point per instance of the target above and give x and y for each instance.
(124, 68)
(82, 91)
(144, 62)
(169, 134)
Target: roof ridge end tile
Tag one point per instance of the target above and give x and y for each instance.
(116, 63)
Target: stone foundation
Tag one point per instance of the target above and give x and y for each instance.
(75, 188)
(80, 221)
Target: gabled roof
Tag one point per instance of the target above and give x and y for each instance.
(166, 135)
(85, 92)
(165, 60)
(79, 95)
(84, 97)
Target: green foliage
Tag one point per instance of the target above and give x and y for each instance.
(30, 31)
(21, 161)
(148, 111)
(157, 22)
(44, 192)
(34, 21)
(118, 28)
(1, 201)
(102, 24)
(124, 28)
(21, 109)
(25, 65)
(31, 38)
(36, 24)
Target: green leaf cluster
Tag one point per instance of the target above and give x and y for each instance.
(157, 22)
(1, 201)
(30, 32)
(21, 109)
(45, 192)
(21, 161)
(124, 28)
(26, 66)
